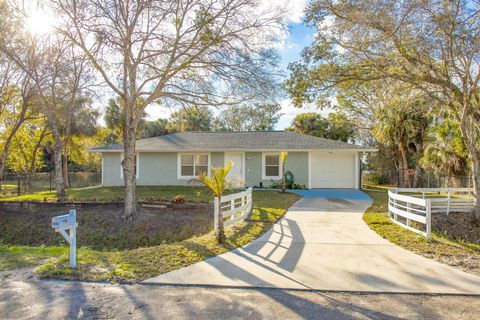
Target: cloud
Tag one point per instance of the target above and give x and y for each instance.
(289, 112)
(295, 8)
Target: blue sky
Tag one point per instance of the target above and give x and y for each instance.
(298, 37)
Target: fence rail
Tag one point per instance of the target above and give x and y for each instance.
(444, 200)
(234, 207)
(418, 204)
(404, 209)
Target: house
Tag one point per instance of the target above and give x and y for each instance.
(178, 158)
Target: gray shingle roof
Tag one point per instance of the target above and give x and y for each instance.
(239, 141)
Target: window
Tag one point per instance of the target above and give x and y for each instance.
(192, 165)
(271, 166)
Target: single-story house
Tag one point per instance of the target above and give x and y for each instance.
(178, 158)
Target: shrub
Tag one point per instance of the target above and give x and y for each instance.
(178, 199)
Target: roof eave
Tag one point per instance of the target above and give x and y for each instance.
(244, 150)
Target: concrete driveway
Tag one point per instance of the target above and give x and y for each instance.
(322, 243)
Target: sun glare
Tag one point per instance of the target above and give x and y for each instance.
(40, 22)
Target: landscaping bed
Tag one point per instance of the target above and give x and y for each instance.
(153, 244)
(457, 226)
(100, 225)
(443, 248)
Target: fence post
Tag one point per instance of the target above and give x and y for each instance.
(18, 186)
(73, 243)
(216, 211)
(428, 208)
(448, 200)
(409, 205)
(232, 207)
(244, 202)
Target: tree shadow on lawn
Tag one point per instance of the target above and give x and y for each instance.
(142, 263)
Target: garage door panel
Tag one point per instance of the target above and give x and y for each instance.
(332, 170)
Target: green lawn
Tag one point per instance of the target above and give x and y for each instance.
(141, 263)
(14, 257)
(110, 194)
(455, 253)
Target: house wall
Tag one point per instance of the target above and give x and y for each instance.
(297, 163)
(155, 168)
(111, 169)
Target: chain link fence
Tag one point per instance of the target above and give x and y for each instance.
(416, 179)
(13, 185)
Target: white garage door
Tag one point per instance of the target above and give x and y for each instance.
(332, 169)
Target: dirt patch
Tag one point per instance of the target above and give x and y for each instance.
(457, 226)
(101, 226)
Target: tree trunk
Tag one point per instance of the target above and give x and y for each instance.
(404, 166)
(57, 157)
(28, 183)
(471, 141)
(129, 179)
(65, 168)
(476, 185)
(219, 231)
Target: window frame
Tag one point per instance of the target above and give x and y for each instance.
(137, 163)
(264, 164)
(194, 154)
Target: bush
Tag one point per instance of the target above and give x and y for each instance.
(178, 199)
(374, 178)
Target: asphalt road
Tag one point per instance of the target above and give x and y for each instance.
(22, 296)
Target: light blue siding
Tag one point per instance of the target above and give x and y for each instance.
(111, 169)
(155, 168)
(297, 163)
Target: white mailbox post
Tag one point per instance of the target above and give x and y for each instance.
(61, 224)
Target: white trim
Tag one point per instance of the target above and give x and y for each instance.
(137, 174)
(243, 162)
(137, 163)
(237, 150)
(103, 166)
(179, 164)
(357, 172)
(309, 170)
(264, 176)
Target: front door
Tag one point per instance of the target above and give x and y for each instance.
(236, 175)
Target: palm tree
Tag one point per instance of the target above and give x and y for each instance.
(283, 158)
(217, 183)
(446, 152)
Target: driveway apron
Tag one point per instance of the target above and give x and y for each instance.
(322, 243)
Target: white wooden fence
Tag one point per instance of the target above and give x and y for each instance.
(444, 200)
(416, 205)
(404, 209)
(234, 207)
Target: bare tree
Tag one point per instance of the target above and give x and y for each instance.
(190, 52)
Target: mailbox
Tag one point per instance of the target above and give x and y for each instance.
(62, 224)
(66, 221)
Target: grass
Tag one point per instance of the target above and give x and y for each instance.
(101, 226)
(455, 253)
(141, 263)
(111, 194)
(15, 257)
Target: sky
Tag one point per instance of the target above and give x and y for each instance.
(298, 37)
